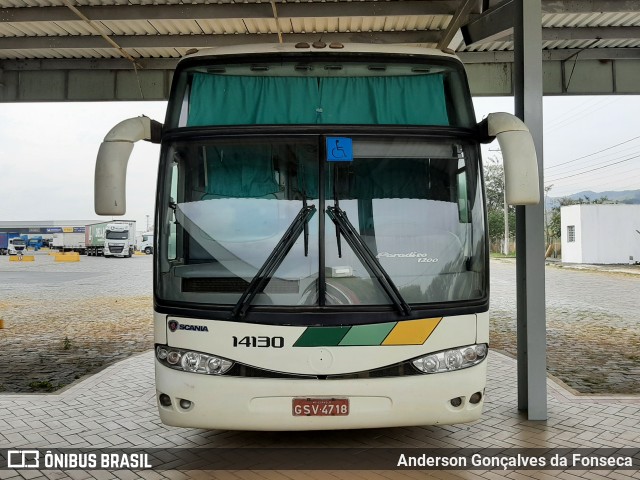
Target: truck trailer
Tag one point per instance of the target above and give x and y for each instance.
(69, 242)
(4, 243)
(94, 238)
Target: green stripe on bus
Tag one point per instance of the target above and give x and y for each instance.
(364, 335)
(321, 337)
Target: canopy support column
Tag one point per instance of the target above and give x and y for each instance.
(530, 262)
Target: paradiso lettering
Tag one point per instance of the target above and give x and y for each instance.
(420, 257)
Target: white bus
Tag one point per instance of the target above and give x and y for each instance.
(321, 241)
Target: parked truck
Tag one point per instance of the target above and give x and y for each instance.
(17, 246)
(111, 239)
(145, 242)
(120, 239)
(11, 244)
(36, 242)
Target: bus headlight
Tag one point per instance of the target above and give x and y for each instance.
(452, 359)
(190, 361)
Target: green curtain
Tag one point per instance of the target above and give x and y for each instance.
(406, 100)
(381, 178)
(239, 100)
(234, 100)
(240, 172)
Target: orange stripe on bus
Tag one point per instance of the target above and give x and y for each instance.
(412, 332)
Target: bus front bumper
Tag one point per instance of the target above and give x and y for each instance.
(232, 403)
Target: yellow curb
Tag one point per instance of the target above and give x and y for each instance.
(67, 258)
(1, 323)
(23, 258)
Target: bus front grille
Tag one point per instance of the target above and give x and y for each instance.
(397, 370)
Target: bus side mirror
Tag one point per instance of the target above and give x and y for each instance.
(113, 157)
(521, 181)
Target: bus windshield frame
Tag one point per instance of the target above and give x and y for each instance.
(181, 282)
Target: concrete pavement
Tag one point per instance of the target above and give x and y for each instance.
(115, 408)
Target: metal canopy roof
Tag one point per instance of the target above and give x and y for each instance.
(49, 49)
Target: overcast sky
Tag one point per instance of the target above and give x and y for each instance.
(48, 151)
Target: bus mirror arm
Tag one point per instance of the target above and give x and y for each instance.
(522, 184)
(112, 160)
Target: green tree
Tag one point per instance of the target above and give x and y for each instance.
(494, 186)
(495, 219)
(494, 183)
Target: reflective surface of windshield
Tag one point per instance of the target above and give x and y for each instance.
(229, 203)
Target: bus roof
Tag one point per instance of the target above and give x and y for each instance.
(346, 47)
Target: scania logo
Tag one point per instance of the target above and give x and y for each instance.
(174, 325)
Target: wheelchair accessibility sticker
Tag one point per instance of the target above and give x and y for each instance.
(339, 149)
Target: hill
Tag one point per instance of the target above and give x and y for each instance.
(624, 196)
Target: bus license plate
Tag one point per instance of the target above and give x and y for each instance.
(320, 407)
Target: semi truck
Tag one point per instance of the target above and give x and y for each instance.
(145, 243)
(11, 243)
(34, 242)
(111, 239)
(17, 246)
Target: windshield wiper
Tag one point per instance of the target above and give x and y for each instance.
(368, 259)
(274, 260)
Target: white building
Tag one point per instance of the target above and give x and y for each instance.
(600, 234)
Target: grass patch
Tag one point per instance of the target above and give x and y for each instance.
(44, 386)
(502, 255)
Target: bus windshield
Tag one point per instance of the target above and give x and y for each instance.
(232, 205)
